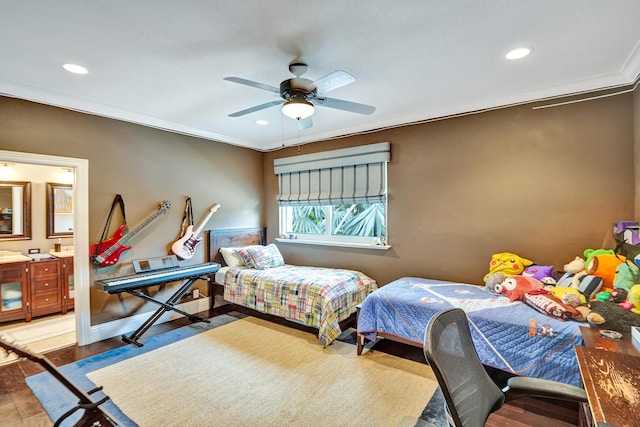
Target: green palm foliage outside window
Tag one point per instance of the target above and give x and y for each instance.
(366, 220)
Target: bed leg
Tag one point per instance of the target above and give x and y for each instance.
(359, 338)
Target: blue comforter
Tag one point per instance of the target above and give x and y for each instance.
(507, 335)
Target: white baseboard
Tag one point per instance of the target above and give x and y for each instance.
(123, 326)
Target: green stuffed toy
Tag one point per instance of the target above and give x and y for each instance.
(627, 275)
(590, 253)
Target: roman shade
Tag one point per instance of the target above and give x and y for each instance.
(344, 176)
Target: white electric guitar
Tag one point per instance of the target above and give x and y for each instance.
(186, 246)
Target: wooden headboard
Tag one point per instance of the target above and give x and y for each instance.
(216, 239)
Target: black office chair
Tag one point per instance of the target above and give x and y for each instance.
(470, 393)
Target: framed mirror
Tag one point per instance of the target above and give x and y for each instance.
(59, 210)
(15, 210)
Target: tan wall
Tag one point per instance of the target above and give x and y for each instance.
(146, 166)
(545, 184)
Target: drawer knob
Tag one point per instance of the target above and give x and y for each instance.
(46, 269)
(46, 284)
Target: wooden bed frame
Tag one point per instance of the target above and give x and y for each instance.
(361, 340)
(216, 239)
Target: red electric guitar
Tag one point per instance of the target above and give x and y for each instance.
(185, 246)
(108, 252)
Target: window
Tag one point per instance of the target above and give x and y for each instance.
(335, 196)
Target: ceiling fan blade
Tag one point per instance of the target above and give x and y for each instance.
(256, 108)
(340, 104)
(305, 123)
(333, 81)
(252, 84)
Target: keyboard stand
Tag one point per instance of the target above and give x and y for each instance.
(165, 306)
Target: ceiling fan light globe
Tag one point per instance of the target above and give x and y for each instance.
(297, 109)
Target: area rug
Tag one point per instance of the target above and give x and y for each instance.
(57, 399)
(252, 372)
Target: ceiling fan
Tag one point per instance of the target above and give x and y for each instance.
(300, 95)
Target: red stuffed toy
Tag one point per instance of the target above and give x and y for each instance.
(516, 286)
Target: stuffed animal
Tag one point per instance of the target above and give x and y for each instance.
(634, 298)
(493, 280)
(590, 253)
(609, 315)
(508, 264)
(587, 284)
(561, 292)
(515, 287)
(573, 300)
(605, 265)
(627, 275)
(544, 273)
(577, 269)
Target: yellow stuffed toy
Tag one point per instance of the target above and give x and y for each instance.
(634, 298)
(508, 264)
(561, 292)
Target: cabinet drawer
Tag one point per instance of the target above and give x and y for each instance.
(45, 284)
(45, 299)
(42, 268)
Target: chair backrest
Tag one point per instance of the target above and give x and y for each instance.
(470, 393)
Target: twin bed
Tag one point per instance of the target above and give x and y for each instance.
(509, 336)
(321, 298)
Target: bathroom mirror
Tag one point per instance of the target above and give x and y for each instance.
(15, 210)
(59, 210)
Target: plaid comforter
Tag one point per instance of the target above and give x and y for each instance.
(314, 296)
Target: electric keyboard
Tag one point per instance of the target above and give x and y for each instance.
(140, 280)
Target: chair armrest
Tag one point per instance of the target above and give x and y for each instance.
(525, 386)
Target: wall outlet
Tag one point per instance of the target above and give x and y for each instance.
(34, 251)
(196, 293)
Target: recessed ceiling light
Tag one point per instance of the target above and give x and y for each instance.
(75, 68)
(518, 53)
(262, 122)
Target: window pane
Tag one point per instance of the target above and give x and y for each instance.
(309, 219)
(359, 220)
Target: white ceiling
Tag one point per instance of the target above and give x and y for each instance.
(161, 63)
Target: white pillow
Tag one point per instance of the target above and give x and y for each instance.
(231, 257)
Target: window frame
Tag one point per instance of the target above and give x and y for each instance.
(329, 239)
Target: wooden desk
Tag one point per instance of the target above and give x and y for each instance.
(612, 382)
(624, 345)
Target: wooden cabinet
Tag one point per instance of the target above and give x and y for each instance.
(45, 285)
(68, 286)
(14, 291)
(36, 288)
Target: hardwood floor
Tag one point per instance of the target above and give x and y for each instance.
(19, 407)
